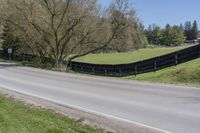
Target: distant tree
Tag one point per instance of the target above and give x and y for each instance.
(142, 39)
(188, 30)
(148, 33)
(172, 36)
(167, 26)
(153, 34)
(194, 30)
(181, 27)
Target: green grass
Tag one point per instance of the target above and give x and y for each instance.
(127, 57)
(187, 73)
(15, 117)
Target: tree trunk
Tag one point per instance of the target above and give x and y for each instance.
(60, 66)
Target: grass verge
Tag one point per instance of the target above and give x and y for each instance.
(187, 73)
(127, 57)
(15, 117)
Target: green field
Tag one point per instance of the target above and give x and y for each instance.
(15, 117)
(187, 73)
(127, 57)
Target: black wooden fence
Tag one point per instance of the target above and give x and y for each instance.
(149, 65)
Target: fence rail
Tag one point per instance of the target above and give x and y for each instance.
(149, 65)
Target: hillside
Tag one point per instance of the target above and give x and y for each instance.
(127, 57)
(187, 73)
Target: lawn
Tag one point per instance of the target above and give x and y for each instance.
(15, 117)
(127, 57)
(187, 73)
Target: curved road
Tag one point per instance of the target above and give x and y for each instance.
(170, 108)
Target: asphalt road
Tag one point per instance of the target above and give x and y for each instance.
(170, 108)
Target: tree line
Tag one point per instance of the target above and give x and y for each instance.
(63, 30)
(172, 35)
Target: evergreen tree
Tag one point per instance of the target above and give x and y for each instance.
(194, 30)
(9, 41)
(153, 34)
(148, 33)
(167, 26)
(188, 30)
(181, 27)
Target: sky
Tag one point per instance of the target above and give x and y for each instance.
(162, 12)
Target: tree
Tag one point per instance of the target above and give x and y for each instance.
(188, 30)
(65, 30)
(168, 26)
(172, 36)
(181, 27)
(148, 33)
(153, 34)
(194, 30)
(142, 39)
(130, 38)
(9, 40)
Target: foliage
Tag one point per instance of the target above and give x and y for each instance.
(169, 36)
(153, 34)
(9, 40)
(191, 30)
(65, 30)
(194, 30)
(187, 30)
(172, 36)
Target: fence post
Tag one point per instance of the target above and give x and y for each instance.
(136, 70)
(199, 50)
(176, 58)
(155, 65)
(93, 70)
(120, 72)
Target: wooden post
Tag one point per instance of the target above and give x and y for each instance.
(136, 70)
(155, 65)
(120, 72)
(93, 70)
(176, 59)
(199, 50)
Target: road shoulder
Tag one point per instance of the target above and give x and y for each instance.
(109, 124)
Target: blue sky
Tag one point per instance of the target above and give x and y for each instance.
(161, 12)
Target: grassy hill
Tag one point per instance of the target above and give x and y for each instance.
(187, 73)
(127, 57)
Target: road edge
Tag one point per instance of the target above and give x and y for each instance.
(95, 119)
